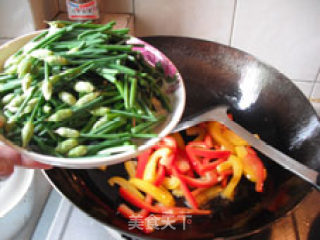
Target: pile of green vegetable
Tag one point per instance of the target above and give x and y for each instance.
(78, 89)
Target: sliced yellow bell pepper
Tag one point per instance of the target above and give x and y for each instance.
(237, 167)
(253, 168)
(224, 166)
(130, 167)
(196, 131)
(159, 194)
(178, 192)
(126, 185)
(215, 129)
(103, 168)
(177, 136)
(150, 172)
(234, 138)
(171, 182)
(208, 194)
(247, 170)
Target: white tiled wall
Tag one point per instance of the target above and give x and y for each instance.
(15, 18)
(207, 19)
(282, 33)
(315, 95)
(304, 86)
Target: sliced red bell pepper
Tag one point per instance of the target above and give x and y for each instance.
(258, 166)
(126, 212)
(208, 141)
(202, 152)
(194, 161)
(169, 142)
(161, 173)
(224, 182)
(224, 177)
(210, 180)
(183, 185)
(199, 144)
(129, 214)
(132, 199)
(205, 161)
(142, 162)
(126, 195)
(182, 162)
(212, 165)
(144, 212)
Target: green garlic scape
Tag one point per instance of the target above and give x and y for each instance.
(79, 88)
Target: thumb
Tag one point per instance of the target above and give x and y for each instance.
(7, 158)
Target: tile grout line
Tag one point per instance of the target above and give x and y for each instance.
(233, 21)
(314, 83)
(133, 7)
(302, 80)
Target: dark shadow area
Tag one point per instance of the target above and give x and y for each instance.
(314, 233)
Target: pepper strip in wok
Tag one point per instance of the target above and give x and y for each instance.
(210, 165)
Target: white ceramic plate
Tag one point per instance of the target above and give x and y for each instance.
(14, 188)
(177, 95)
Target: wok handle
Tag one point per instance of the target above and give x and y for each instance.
(299, 169)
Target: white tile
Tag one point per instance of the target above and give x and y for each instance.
(285, 34)
(316, 107)
(316, 91)
(305, 87)
(315, 97)
(206, 19)
(15, 18)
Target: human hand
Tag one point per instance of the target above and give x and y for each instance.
(10, 157)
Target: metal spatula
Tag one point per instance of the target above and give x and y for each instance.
(220, 114)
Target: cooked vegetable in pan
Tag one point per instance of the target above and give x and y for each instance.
(209, 164)
(78, 89)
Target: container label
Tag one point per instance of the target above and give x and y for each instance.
(82, 11)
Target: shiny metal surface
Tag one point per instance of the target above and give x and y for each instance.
(219, 113)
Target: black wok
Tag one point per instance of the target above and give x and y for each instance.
(262, 100)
